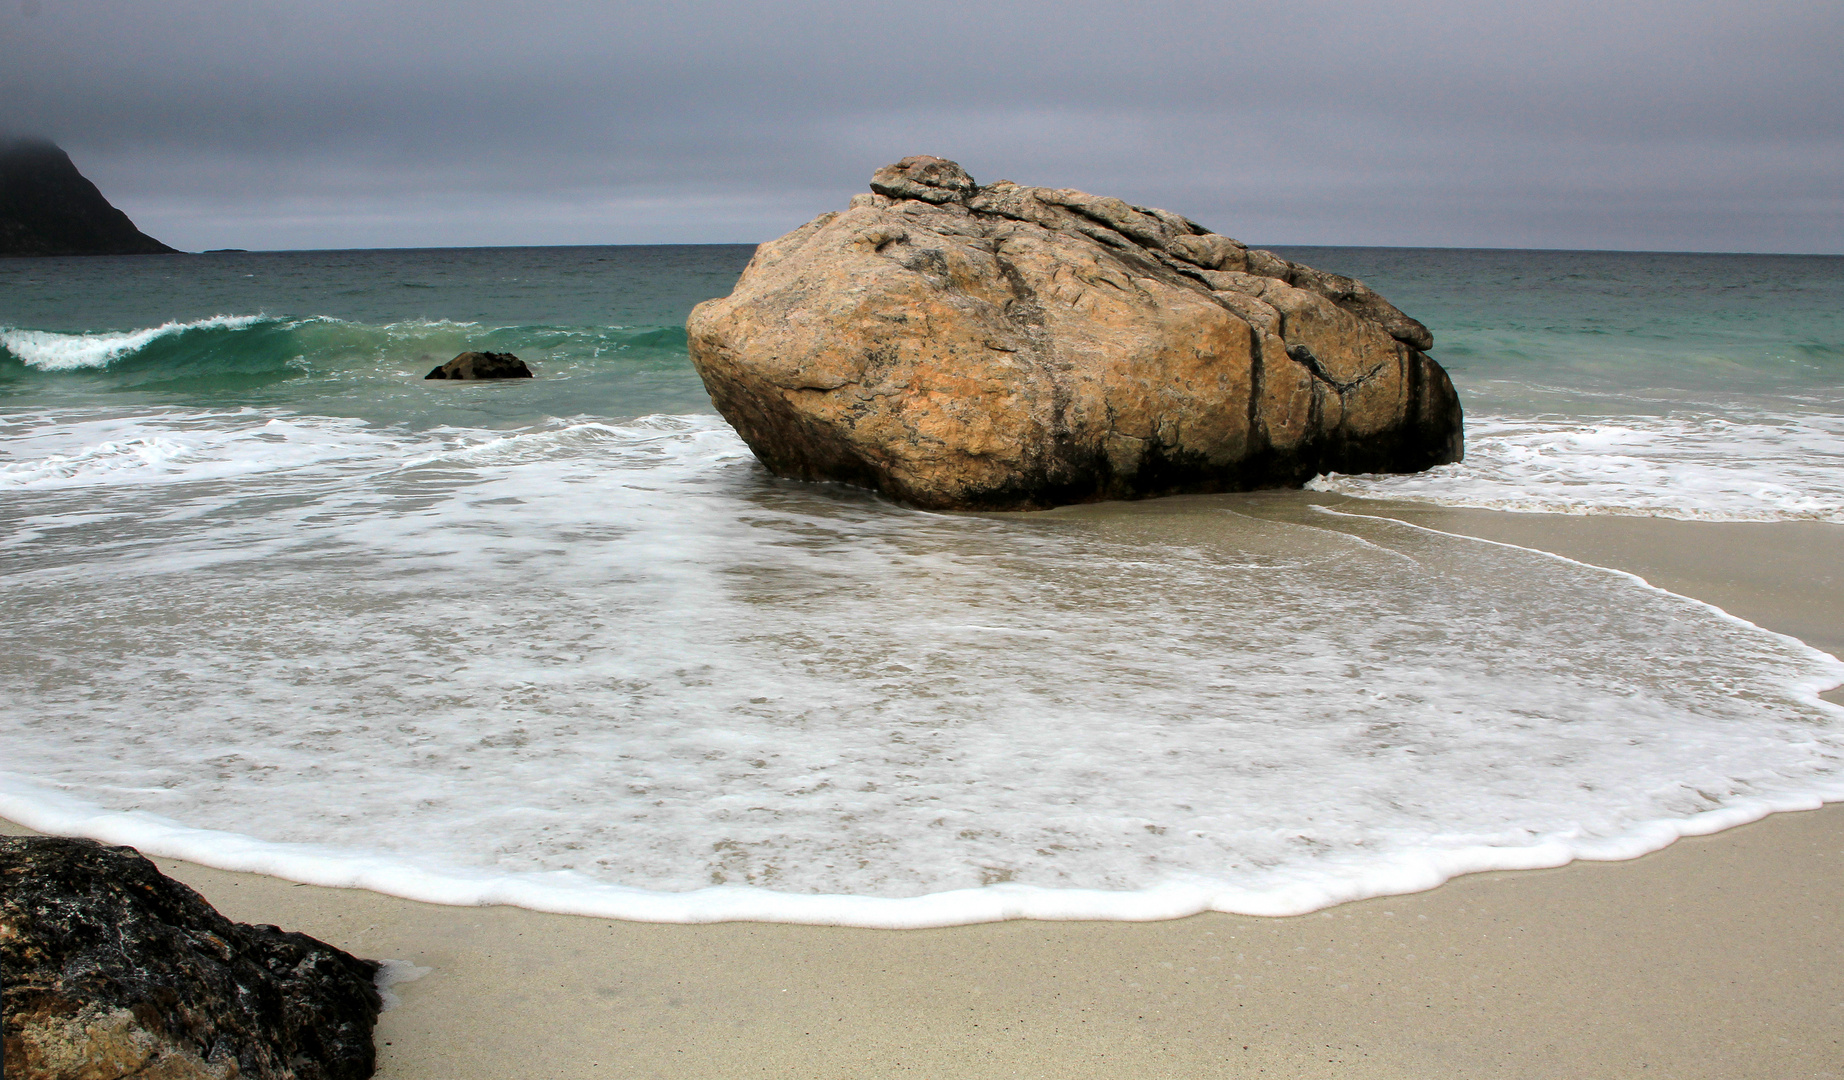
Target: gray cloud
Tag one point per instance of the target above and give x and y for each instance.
(1646, 125)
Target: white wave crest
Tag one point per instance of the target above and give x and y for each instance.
(1685, 466)
(48, 350)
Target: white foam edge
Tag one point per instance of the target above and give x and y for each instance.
(568, 893)
(44, 810)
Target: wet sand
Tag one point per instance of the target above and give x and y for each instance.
(1719, 957)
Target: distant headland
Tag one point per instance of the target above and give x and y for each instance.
(47, 207)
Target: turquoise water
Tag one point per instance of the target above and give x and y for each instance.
(1521, 331)
(336, 333)
(1530, 331)
(275, 602)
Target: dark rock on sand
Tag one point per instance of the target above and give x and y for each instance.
(47, 207)
(1006, 347)
(114, 970)
(482, 365)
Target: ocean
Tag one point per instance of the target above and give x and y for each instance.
(272, 602)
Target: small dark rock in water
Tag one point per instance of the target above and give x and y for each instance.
(482, 365)
(113, 969)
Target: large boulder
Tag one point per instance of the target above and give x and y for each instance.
(114, 970)
(1008, 347)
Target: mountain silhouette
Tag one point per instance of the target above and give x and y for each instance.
(47, 207)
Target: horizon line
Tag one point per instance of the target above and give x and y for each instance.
(758, 243)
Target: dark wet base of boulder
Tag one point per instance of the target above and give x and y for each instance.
(1428, 434)
(482, 365)
(115, 970)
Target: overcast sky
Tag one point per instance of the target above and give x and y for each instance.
(323, 123)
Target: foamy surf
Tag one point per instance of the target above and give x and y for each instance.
(569, 893)
(175, 447)
(1702, 467)
(612, 669)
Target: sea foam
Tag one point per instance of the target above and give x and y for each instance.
(178, 446)
(615, 669)
(1745, 466)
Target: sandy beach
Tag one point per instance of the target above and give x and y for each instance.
(1719, 957)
